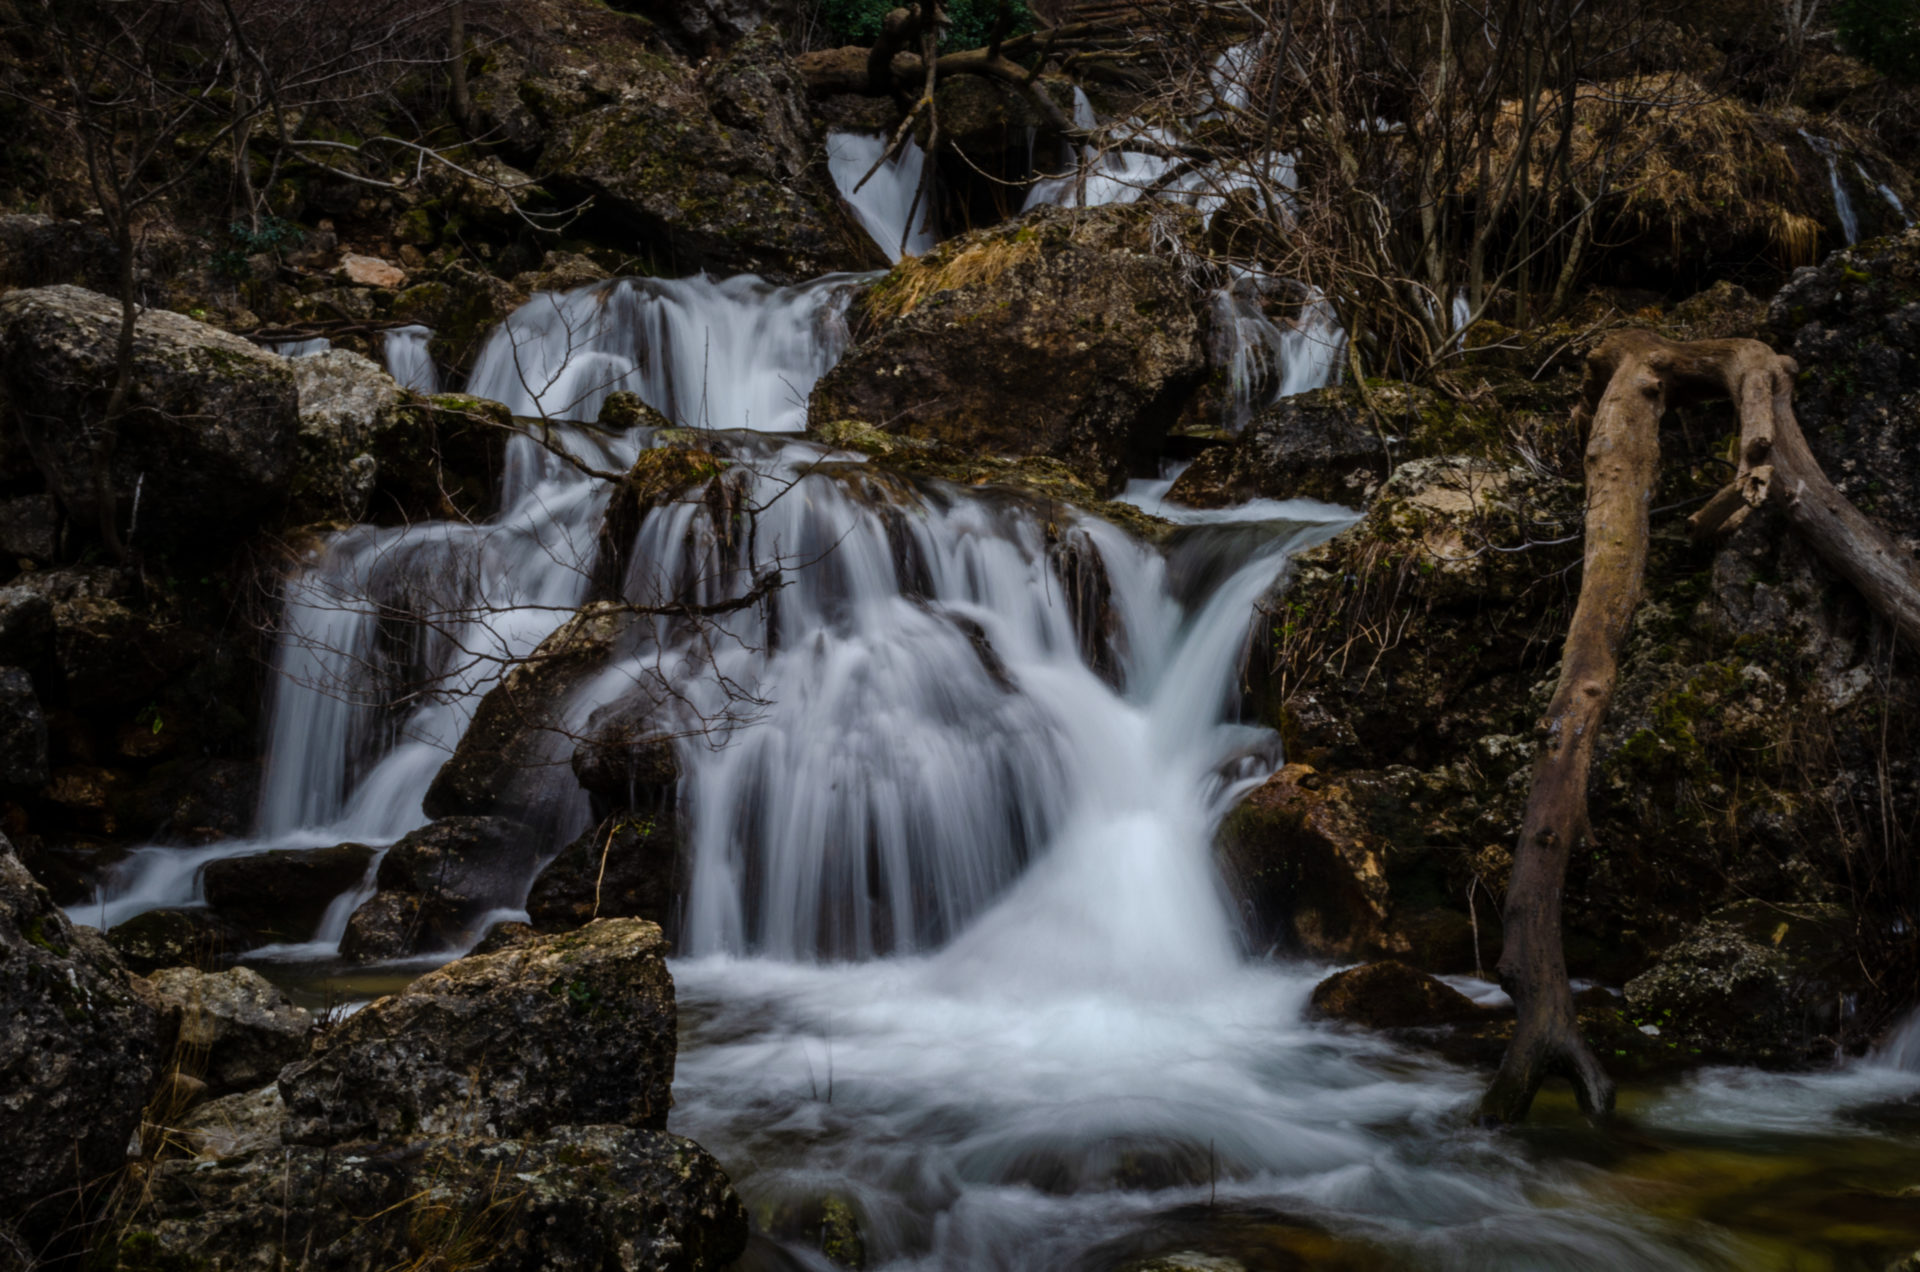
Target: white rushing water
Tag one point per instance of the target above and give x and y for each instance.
(1266, 358)
(732, 353)
(886, 203)
(408, 360)
(300, 348)
(1842, 201)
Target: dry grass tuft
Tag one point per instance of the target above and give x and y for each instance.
(977, 264)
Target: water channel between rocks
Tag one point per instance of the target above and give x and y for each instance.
(955, 956)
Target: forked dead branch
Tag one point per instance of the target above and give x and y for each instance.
(1632, 380)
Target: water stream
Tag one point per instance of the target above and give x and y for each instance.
(955, 956)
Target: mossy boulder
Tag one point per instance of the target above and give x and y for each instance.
(1063, 336)
(1757, 983)
(208, 440)
(632, 865)
(566, 1030)
(1391, 995)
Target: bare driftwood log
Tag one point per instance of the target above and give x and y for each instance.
(1631, 381)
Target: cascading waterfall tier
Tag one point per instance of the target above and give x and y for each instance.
(892, 207)
(733, 353)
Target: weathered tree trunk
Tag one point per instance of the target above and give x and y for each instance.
(1631, 381)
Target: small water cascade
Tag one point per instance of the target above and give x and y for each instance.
(300, 348)
(1842, 201)
(884, 203)
(1886, 192)
(408, 360)
(732, 353)
(1267, 359)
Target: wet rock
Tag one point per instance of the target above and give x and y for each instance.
(238, 1028)
(23, 731)
(1391, 995)
(282, 895)
(1320, 445)
(1310, 865)
(1061, 336)
(502, 935)
(209, 437)
(717, 168)
(624, 758)
(1755, 983)
(80, 1050)
(459, 865)
(186, 936)
(676, 470)
(583, 1199)
(629, 866)
(518, 735)
(572, 1029)
(386, 926)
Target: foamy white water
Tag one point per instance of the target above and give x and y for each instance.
(408, 360)
(885, 205)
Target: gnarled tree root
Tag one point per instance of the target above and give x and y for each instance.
(1631, 381)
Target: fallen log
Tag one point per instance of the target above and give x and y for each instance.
(1632, 379)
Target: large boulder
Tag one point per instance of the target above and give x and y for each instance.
(1063, 335)
(564, 1031)
(370, 450)
(78, 1055)
(208, 438)
(1310, 866)
(1756, 983)
(518, 732)
(581, 1199)
(282, 895)
(237, 1029)
(436, 883)
(718, 168)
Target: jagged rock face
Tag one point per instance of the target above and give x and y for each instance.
(1064, 336)
(79, 1052)
(1320, 445)
(210, 436)
(1756, 983)
(1853, 324)
(717, 168)
(517, 735)
(582, 1199)
(345, 400)
(569, 1030)
(237, 1029)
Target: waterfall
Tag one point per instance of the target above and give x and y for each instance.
(408, 361)
(1264, 359)
(736, 353)
(882, 205)
(1842, 201)
(300, 348)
